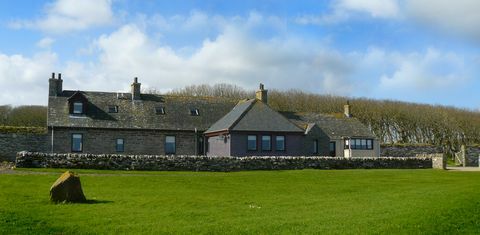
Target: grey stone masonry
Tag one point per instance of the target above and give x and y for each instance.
(439, 161)
(408, 150)
(102, 141)
(204, 163)
(11, 143)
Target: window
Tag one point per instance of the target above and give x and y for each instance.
(120, 146)
(266, 143)
(280, 143)
(77, 108)
(113, 109)
(77, 142)
(315, 146)
(364, 144)
(332, 148)
(194, 112)
(170, 144)
(369, 144)
(252, 143)
(160, 110)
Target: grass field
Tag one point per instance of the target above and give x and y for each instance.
(255, 202)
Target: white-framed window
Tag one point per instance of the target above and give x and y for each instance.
(120, 145)
(170, 147)
(252, 143)
(77, 142)
(280, 143)
(266, 143)
(359, 143)
(77, 107)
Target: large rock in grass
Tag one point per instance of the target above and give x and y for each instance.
(67, 188)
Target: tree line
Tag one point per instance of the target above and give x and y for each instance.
(392, 121)
(25, 116)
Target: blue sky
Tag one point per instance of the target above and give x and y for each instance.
(424, 51)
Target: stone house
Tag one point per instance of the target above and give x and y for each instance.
(136, 123)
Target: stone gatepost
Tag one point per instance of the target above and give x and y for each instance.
(439, 161)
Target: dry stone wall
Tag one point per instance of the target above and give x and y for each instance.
(204, 163)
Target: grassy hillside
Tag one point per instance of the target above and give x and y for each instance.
(255, 202)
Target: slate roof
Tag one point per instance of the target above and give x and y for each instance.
(253, 115)
(335, 127)
(139, 114)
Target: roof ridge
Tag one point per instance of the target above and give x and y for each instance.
(243, 113)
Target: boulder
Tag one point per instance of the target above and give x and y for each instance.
(67, 188)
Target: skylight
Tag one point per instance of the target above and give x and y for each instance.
(160, 110)
(194, 112)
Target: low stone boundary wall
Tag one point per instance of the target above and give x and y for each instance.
(203, 163)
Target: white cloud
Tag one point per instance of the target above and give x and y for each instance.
(232, 57)
(25, 80)
(343, 10)
(71, 15)
(460, 16)
(429, 71)
(45, 42)
(375, 8)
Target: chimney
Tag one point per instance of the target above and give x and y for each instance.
(261, 94)
(136, 89)
(346, 110)
(55, 86)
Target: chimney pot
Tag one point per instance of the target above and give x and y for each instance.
(346, 109)
(136, 89)
(55, 86)
(262, 94)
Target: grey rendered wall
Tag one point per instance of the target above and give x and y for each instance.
(102, 141)
(323, 142)
(219, 146)
(293, 144)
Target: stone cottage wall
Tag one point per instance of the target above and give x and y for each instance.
(468, 156)
(11, 143)
(204, 163)
(472, 155)
(102, 141)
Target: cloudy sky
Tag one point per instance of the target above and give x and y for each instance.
(425, 51)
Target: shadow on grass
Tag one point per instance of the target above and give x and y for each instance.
(93, 201)
(88, 201)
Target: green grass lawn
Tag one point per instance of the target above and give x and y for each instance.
(265, 202)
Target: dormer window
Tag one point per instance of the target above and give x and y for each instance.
(77, 108)
(77, 104)
(194, 112)
(160, 110)
(113, 109)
